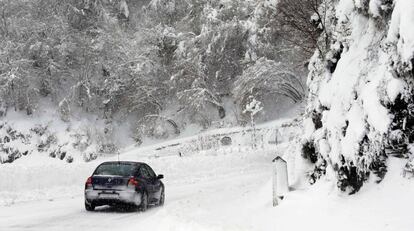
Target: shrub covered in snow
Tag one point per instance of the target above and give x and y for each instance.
(54, 139)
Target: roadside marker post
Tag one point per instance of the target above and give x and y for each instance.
(280, 179)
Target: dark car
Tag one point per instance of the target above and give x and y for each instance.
(124, 183)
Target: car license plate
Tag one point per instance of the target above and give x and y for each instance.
(109, 196)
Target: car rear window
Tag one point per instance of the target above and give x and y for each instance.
(116, 169)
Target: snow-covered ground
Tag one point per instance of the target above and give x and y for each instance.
(225, 189)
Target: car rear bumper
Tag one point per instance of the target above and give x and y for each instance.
(103, 197)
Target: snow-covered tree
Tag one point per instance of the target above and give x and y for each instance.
(252, 109)
(266, 78)
(360, 102)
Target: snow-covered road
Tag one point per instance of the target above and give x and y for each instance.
(203, 192)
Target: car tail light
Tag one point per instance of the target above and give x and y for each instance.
(88, 182)
(132, 182)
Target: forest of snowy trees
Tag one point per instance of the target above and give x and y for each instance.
(160, 61)
(161, 65)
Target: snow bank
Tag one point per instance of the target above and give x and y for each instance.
(41, 178)
(81, 139)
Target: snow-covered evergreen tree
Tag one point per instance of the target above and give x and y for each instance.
(360, 108)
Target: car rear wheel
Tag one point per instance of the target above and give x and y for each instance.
(162, 199)
(89, 207)
(144, 202)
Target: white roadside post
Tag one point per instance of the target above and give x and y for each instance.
(280, 179)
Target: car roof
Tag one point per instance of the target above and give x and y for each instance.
(123, 162)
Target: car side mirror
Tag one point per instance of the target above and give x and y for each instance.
(159, 177)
